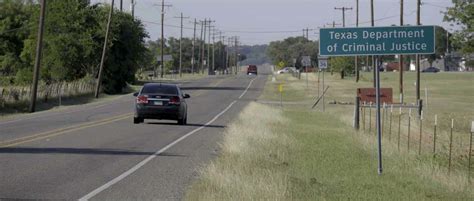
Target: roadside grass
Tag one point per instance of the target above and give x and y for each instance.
(252, 164)
(295, 153)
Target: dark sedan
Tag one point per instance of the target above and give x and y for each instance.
(161, 101)
(430, 70)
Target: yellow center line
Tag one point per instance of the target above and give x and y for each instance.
(61, 131)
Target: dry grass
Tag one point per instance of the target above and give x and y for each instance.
(253, 160)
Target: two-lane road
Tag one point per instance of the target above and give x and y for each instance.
(95, 152)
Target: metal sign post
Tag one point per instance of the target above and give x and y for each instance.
(323, 65)
(306, 61)
(379, 128)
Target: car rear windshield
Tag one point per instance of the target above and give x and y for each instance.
(159, 89)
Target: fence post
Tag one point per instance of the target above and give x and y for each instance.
(420, 107)
(399, 127)
(363, 115)
(409, 126)
(434, 134)
(370, 117)
(383, 117)
(470, 153)
(450, 146)
(356, 113)
(421, 133)
(390, 125)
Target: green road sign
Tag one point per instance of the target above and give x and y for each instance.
(377, 41)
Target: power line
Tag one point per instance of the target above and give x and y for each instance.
(15, 29)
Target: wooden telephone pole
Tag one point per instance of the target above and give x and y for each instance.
(181, 46)
(400, 57)
(356, 66)
(374, 66)
(193, 56)
(343, 9)
(39, 49)
(163, 37)
(104, 51)
(418, 56)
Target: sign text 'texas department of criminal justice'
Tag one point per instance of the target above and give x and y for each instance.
(377, 41)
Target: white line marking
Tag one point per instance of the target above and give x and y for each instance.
(144, 162)
(248, 87)
(148, 159)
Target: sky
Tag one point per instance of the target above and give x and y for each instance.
(263, 21)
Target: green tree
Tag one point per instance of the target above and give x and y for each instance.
(462, 15)
(71, 41)
(127, 50)
(14, 29)
(292, 48)
(440, 50)
(343, 65)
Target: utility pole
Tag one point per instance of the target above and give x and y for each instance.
(104, 51)
(228, 64)
(400, 57)
(374, 66)
(343, 9)
(306, 32)
(357, 57)
(163, 37)
(204, 46)
(121, 5)
(132, 8)
(214, 49)
(333, 24)
(236, 55)
(201, 48)
(39, 49)
(209, 70)
(181, 46)
(222, 54)
(418, 11)
(193, 60)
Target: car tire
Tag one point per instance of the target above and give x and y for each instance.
(183, 121)
(138, 120)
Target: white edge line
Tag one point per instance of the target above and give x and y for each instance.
(144, 162)
(148, 159)
(248, 87)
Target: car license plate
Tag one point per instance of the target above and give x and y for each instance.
(158, 103)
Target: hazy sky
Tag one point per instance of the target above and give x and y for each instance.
(283, 18)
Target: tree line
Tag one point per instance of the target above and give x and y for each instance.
(74, 34)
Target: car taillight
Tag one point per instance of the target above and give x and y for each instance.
(142, 100)
(174, 100)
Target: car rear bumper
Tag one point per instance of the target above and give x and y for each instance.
(155, 112)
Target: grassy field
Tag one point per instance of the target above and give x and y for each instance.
(295, 153)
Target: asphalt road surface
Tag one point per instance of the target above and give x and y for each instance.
(95, 152)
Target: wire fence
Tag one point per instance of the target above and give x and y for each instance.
(12, 95)
(445, 138)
